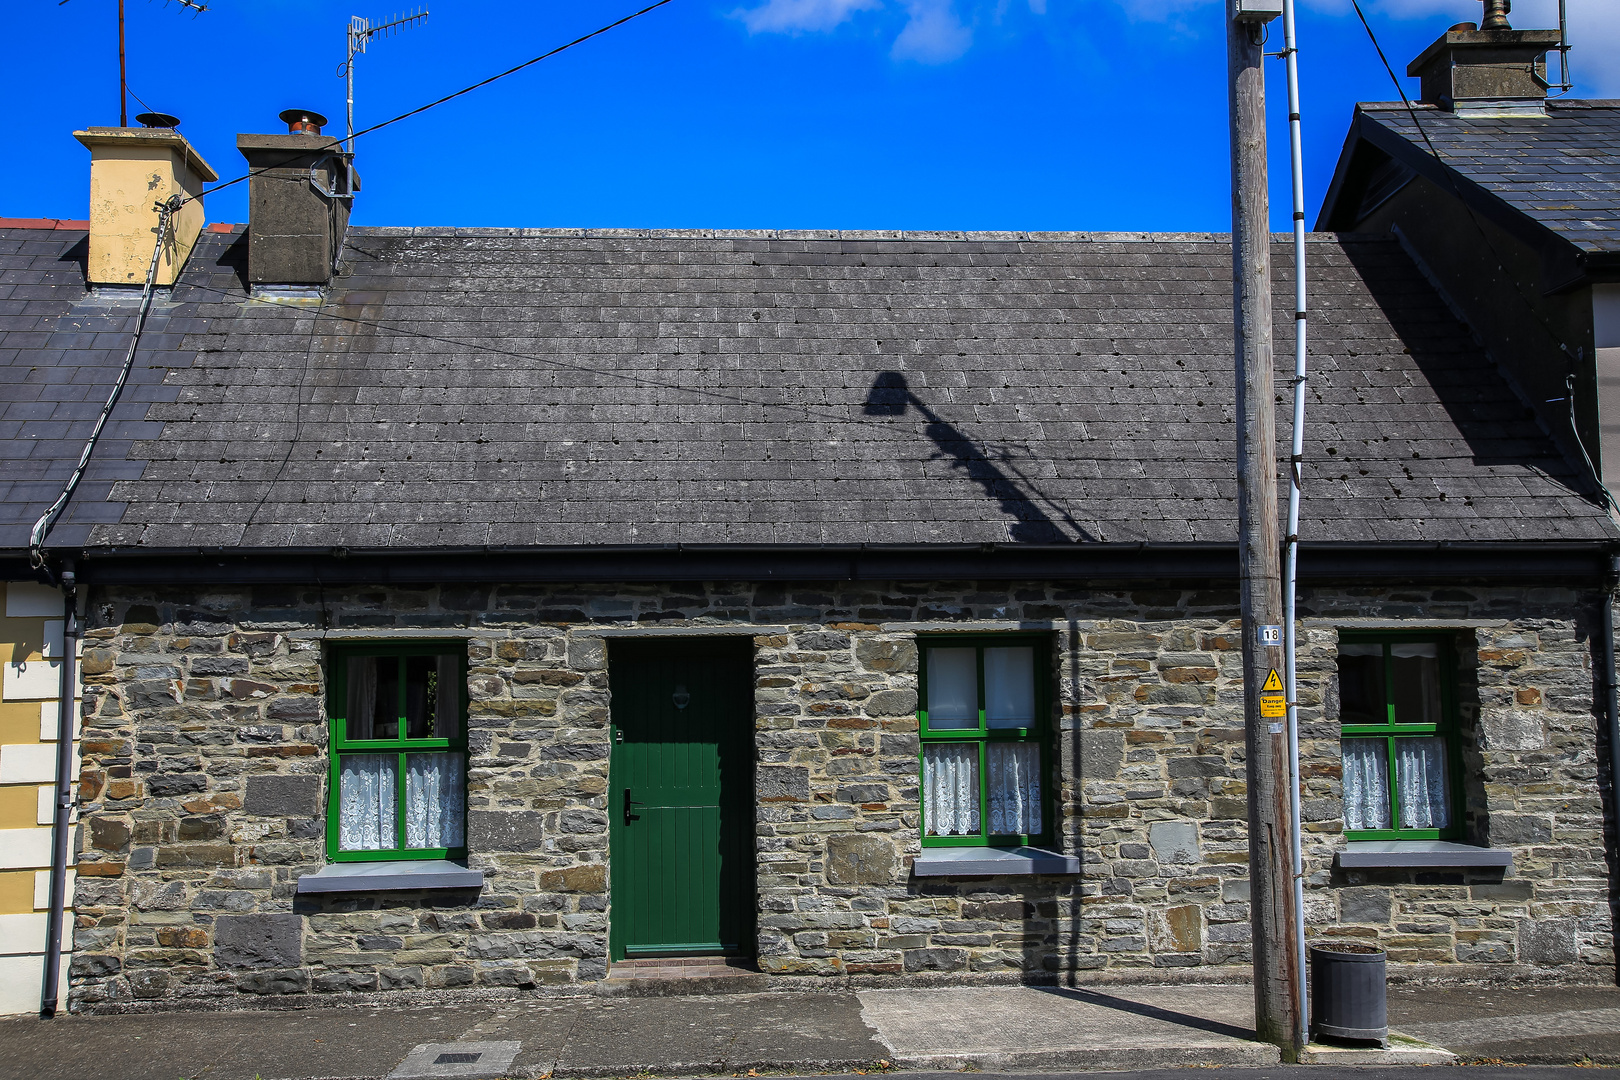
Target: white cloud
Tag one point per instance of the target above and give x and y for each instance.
(933, 34)
(796, 16)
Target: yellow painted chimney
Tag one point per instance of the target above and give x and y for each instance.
(131, 170)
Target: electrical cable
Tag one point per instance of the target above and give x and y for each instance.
(337, 143)
(47, 520)
(1501, 264)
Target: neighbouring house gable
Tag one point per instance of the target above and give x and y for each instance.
(1559, 172)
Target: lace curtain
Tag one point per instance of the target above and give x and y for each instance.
(1015, 788)
(1420, 776)
(366, 794)
(435, 801)
(951, 789)
(1366, 784)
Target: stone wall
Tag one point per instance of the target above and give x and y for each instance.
(205, 767)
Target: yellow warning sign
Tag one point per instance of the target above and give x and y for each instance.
(1273, 705)
(1273, 684)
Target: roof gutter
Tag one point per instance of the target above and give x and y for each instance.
(1542, 562)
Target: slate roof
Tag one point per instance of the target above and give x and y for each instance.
(1561, 170)
(519, 388)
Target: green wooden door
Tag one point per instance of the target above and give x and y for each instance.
(681, 799)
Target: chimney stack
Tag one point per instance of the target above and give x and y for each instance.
(298, 201)
(1487, 70)
(131, 170)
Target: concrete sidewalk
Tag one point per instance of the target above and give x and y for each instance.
(963, 1028)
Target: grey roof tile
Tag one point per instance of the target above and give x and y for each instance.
(521, 387)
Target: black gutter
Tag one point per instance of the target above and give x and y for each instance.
(1496, 563)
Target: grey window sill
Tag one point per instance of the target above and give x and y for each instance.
(1396, 854)
(390, 876)
(992, 862)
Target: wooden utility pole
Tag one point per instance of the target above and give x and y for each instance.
(1271, 886)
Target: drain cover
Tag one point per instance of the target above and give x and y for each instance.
(457, 1061)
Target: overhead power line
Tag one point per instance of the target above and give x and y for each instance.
(334, 144)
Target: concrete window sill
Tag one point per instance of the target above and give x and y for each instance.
(992, 862)
(1398, 854)
(390, 877)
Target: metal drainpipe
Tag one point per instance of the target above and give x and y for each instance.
(61, 824)
(1296, 152)
(1612, 692)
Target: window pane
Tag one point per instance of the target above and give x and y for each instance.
(367, 785)
(447, 722)
(1420, 775)
(435, 800)
(431, 701)
(1366, 783)
(1015, 788)
(1009, 687)
(951, 788)
(953, 688)
(1416, 674)
(1361, 684)
(373, 697)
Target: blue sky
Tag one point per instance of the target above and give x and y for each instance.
(896, 114)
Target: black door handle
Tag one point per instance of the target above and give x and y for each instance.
(628, 816)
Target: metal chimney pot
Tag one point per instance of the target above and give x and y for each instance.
(303, 122)
(1496, 13)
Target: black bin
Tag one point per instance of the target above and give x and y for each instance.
(1348, 998)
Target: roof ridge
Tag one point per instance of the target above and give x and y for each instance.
(908, 235)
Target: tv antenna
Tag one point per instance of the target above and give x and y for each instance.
(123, 70)
(361, 31)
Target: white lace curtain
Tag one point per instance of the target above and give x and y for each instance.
(951, 789)
(435, 801)
(1420, 773)
(367, 784)
(1015, 788)
(1420, 776)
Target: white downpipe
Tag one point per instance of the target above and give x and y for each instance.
(1291, 539)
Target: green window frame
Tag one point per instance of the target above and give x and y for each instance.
(1389, 697)
(350, 740)
(986, 737)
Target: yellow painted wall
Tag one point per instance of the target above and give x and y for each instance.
(30, 674)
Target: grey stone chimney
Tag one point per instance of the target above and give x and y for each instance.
(1494, 71)
(298, 204)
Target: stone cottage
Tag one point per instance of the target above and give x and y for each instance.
(513, 608)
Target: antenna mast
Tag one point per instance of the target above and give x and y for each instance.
(196, 7)
(362, 31)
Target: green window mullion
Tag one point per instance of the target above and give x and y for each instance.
(1394, 784)
(399, 802)
(984, 785)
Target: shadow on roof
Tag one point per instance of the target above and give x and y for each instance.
(1496, 424)
(994, 467)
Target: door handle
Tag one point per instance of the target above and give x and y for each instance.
(628, 816)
